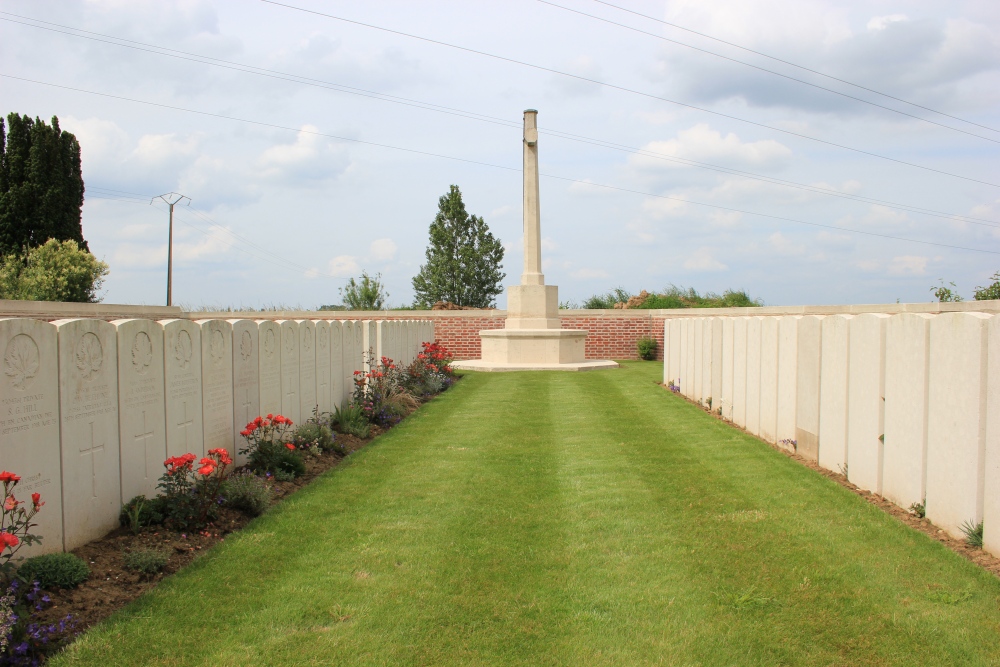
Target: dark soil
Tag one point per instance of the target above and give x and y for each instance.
(110, 586)
(961, 547)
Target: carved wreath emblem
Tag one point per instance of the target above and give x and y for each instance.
(89, 355)
(217, 346)
(322, 334)
(142, 352)
(183, 349)
(269, 343)
(307, 340)
(20, 361)
(246, 345)
(289, 340)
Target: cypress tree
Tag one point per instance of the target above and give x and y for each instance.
(41, 185)
(464, 259)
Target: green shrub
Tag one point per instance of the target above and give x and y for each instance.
(54, 570)
(647, 348)
(247, 493)
(351, 419)
(146, 561)
(141, 512)
(312, 434)
(973, 533)
(275, 457)
(918, 510)
(989, 292)
(52, 272)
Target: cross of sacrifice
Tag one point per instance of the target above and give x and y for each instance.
(92, 452)
(140, 439)
(183, 425)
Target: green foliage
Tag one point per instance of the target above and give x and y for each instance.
(647, 348)
(247, 493)
(365, 294)
(140, 512)
(945, 294)
(464, 259)
(63, 570)
(55, 271)
(674, 297)
(918, 510)
(41, 184)
(973, 533)
(607, 301)
(351, 419)
(146, 561)
(312, 434)
(990, 291)
(276, 457)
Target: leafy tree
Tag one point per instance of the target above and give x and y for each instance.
(365, 294)
(55, 271)
(990, 291)
(41, 185)
(945, 294)
(464, 260)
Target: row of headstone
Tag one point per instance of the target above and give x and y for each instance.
(907, 406)
(91, 409)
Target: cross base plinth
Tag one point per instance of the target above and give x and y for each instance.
(533, 350)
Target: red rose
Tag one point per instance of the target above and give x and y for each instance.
(206, 470)
(35, 499)
(289, 445)
(9, 477)
(9, 540)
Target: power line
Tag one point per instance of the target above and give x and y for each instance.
(788, 62)
(471, 115)
(769, 71)
(505, 168)
(630, 90)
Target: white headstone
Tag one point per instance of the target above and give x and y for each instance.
(683, 379)
(706, 362)
(754, 327)
(246, 380)
(907, 346)
(716, 386)
(727, 368)
(991, 492)
(369, 343)
(787, 376)
(349, 357)
(217, 384)
(307, 369)
(360, 353)
(675, 349)
(836, 348)
(182, 377)
(142, 422)
(269, 365)
(324, 395)
(88, 409)
(29, 422)
(740, 370)
(769, 379)
(865, 403)
(807, 392)
(698, 326)
(337, 377)
(414, 342)
(956, 420)
(290, 372)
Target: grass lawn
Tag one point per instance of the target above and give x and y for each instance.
(565, 519)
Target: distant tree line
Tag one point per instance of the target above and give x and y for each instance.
(669, 297)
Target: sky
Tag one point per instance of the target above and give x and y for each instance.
(313, 141)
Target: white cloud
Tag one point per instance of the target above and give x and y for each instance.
(908, 265)
(383, 249)
(880, 22)
(782, 245)
(309, 159)
(582, 66)
(585, 274)
(702, 261)
(548, 245)
(343, 266)
(703, 144)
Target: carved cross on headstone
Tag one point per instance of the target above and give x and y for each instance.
(246, 406)
(92, 451)
(183, 425)
(140, 439)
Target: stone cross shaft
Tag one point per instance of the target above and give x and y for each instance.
(532, 274)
